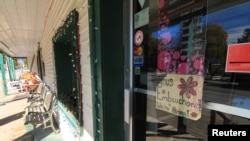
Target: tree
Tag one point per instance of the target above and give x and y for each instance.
(245, 37)
(216, 47)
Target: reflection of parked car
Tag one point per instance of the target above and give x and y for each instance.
(242, 78)
(212, 71)
(216, 77)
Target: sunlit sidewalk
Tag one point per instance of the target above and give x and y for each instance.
(12, 121)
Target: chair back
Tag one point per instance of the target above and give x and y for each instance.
(48, 100)
(40, 88)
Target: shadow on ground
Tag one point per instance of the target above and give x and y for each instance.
(11, 118)
(164, 132)
(42, 134)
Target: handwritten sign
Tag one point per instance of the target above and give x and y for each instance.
(181, 95)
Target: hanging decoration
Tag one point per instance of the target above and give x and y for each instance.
(66, 43)
(181, 54)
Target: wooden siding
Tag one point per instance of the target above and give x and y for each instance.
(55, 17)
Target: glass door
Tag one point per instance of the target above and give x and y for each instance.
(168, 48)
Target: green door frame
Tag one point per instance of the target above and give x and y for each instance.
(11, 68)
(106, 47)
(3, 74)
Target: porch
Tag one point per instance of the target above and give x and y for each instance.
(12, 121)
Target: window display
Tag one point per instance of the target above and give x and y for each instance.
(187, 46)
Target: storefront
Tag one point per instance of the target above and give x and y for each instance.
(191, 65)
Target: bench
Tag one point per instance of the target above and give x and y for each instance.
(37, 92)
(42, 114)
(37, 98)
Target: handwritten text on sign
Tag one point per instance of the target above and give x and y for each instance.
(180, 95)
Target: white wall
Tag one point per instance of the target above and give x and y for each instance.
(58, 11)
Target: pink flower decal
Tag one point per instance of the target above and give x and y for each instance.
(193, 114)
(164, 61)
(187, 87)
(183, 68)
(197, 64)
(176, 55)
(163, 91)
(161, 4)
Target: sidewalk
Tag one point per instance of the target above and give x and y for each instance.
(12, 126)
(12, 121)
(13, 97)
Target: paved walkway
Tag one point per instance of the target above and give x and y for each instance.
(12, 122)
(12, 126)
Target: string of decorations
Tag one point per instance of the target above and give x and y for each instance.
(68, 34)
(67, 28)
(97, 101)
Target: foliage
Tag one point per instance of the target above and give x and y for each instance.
(245, 37)
(216, 47)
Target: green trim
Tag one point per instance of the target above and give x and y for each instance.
(9, 68)
(3, 74)
(13, 68)
(106, 47)
(66, 48)
(112, 50)
(95, 58)
(72, 120)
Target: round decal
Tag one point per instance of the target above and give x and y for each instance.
(183, 68)
(164, 61)
(138, 51)
(138, 38)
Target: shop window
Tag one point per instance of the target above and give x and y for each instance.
(67, 63)
(176, 44)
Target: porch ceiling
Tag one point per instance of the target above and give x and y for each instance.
(21, 25)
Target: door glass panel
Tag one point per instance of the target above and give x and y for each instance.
(227, 53)
(187, 38)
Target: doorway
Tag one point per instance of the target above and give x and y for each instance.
(158, 49)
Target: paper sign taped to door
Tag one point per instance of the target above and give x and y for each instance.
(180, 95)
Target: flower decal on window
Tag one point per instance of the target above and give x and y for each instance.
(194, 114)
(187, 87)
